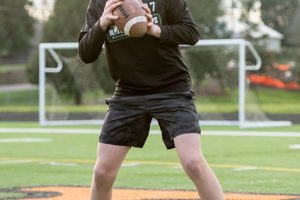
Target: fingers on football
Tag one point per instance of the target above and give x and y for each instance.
(110, 2)
(112, 17)
(147, 10)
(113, 5)
(149, 17)
(109, 8)
(150, 20)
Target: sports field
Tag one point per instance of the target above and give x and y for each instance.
(252, 161)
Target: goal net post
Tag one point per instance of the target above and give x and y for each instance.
(58, 107)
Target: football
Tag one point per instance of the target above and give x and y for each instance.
(132, 20)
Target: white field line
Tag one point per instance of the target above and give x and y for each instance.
(9, 162)
(24, 140)
(253, 133)
(130, 164)
(58, 164)
(49, 130)
(246, 168)
(97, 131)
(294, 146)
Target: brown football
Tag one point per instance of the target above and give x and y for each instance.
(132, 20)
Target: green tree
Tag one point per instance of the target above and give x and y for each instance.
(63, 26)
(16, 27)
(65, 22)
(205, 61)
(248, 6)
(206, 14)
(278, 14)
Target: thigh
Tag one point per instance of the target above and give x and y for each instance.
(110, 157)
(188, 147)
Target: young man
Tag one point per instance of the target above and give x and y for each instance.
(152, 81)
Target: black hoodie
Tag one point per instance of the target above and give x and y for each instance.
(146, 65)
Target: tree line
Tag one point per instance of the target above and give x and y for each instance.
(16, 28)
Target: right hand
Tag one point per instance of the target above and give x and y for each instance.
(107, 17)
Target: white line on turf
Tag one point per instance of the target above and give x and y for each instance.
(9, 162)
(130, 164)
(294, 146)
(97, 131)
(52, 163)
(254, 133)
(49, 130)
(245, 168)
(58, 164)
(261, 181)
(24, 140)
(177, 167)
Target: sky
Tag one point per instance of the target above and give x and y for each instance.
(255, 15)
(41, 9)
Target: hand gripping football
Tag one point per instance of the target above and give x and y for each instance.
(132, 20)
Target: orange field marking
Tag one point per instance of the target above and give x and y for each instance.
(82, 193)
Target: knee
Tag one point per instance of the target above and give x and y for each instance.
(194, 166)
(103, 175)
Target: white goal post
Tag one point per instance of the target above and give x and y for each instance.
(240, 43)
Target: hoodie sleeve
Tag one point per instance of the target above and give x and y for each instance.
(91, 37)
(180, 27)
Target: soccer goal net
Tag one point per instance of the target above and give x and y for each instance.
(73, 93)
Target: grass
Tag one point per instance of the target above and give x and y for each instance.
(270, 99)
(36, 125)
(10, 195)
(80, 151)
(25, 98)
(293, 128)
(28, 101)
(264, 99)
(75, 109)
(11, 67)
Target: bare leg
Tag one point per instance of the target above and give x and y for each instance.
(109, 160)
(188, 147)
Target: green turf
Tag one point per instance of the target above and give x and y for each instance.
(22, 98)
(11, 67)
(36, 125)
(71, 109)
(10, 195)
(293, 128)
(48, 163)
(263, 99)
(266, 100)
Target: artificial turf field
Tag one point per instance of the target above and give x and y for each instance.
(243, 164)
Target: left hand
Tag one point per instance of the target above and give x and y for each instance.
(152, 29)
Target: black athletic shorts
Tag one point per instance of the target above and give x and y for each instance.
(128, 119)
